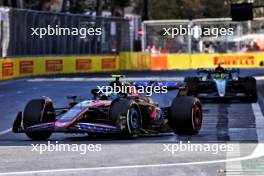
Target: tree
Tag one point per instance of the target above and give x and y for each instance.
(116, 7)
(216, 9)
(184, 9)
(45, 5)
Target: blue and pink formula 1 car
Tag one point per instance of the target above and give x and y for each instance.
(123, 115)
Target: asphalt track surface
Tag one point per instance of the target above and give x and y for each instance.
(238, 124)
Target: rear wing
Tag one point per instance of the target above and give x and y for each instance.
(212, 71)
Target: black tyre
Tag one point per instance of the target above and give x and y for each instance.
(125, 114)
(17, 123)
(186, 115)
(36, 112)
(192, 84)
(250, 85)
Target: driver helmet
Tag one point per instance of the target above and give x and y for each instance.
(219, 72)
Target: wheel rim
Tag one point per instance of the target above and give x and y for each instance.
(134, 119)
(197, 117)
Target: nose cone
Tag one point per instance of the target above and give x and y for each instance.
(221, 87)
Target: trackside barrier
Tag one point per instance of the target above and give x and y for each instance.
(193, 61)
(159, 62)
(34, 66)
(1, 77)
(179, 61)
(238, 60)
(135, 61)
(9, 69)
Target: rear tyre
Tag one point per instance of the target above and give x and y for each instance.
(38, 111)
(185, 115)
(250, 86)
(125, 114)
(192, 84)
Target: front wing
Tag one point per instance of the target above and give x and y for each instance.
(208, 90)
(75, 128)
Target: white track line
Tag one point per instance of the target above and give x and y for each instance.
(258, 152)
(5, 131)
(259, 120)
(234, 166)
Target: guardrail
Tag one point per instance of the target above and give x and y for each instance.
(191, 61)
(35, 66)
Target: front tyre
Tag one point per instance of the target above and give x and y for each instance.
(38, 111)
(125, 114)
(186, 115)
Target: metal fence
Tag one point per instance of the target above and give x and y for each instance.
(17, 39)
(245, 37)
(153, 36)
